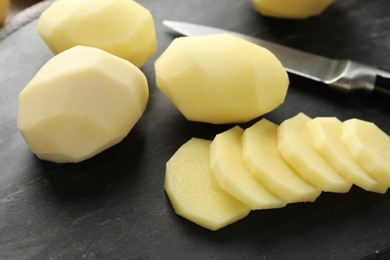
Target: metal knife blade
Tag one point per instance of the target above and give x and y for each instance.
(346, 75)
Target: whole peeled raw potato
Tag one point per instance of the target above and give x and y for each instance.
(220, 78)
(4, 7)
(121, 27)
(81, 102)
(291, 9)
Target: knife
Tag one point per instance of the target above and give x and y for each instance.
(346, 75)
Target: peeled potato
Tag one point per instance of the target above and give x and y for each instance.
(294, 143)
(220, 78)
(266, 164)
(210, 182)
(81, 102)
(326, 135)
(121, 27)
(194, 192)
(291, 9)
(233, 175)
(4, 7)
(370, 146)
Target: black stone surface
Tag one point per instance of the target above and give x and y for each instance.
(113, 206)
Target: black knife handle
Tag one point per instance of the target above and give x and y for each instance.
(382, 83)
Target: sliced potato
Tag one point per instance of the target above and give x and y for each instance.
(215, 183)
(262, 156)
(233, 175)
(195, 193)
(369, 146)
(326, 136)
(294, 143)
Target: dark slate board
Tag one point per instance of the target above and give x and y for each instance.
(114, 205)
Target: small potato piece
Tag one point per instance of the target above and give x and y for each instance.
(121, 27)
(81, 102)
(326, 136)
(194, 192)
(369, 146)
(295, 144)
(220, 78)
(233, 175)
(266, 164)
(4, 7)
(291, 9)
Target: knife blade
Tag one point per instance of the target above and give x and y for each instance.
(346, 75)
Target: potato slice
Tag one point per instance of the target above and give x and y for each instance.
(195, 193)
(261, 154)
(81, 102)
(121, 27)
(326, 136)
(369, 146)
(291, 9)
(233, 175)
(295, 144)
(220, 78)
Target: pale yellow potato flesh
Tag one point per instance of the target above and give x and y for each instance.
(81, 102)
(121, 27)
(220, 78)
(233, 175)
(267, 165)
(215, 183)
(291, 9)
(296, 147)
(326, 135)
(4, 7)
(195, 193)
(369, 146)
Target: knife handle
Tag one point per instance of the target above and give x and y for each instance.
(382, 82)
(357, 77)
